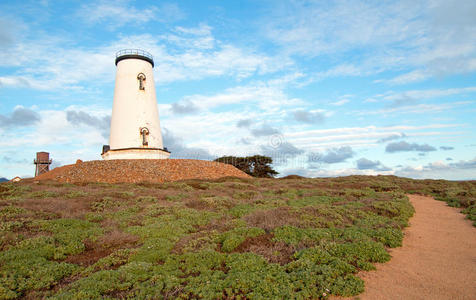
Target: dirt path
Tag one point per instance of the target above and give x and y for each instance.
(437, 260)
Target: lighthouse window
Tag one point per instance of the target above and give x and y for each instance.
(144, 132)
(141, 78)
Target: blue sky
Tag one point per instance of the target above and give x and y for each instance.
(327, 88)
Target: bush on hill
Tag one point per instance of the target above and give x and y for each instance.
(256, 165)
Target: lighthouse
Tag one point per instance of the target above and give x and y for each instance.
(135, 126)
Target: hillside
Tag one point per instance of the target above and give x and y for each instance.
(141, 170)
(226, 238)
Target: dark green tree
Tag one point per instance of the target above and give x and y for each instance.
(256, 165)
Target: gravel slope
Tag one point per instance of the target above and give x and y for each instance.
(141, 170)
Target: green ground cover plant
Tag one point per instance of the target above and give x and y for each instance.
(295, 238)
(460, 194)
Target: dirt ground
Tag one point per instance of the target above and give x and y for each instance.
(141, 170)
(437, 260)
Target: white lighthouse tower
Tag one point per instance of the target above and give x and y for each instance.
(135, 126)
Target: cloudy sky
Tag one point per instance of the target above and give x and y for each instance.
(326, 88)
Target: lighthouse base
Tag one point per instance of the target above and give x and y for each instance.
(136, 153)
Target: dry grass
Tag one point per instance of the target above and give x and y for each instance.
(274, 252)
(272, 218)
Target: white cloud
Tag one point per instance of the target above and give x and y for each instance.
(340, 102)
(65, 69)
(464, 169)
(224, 60)
(413, 95)
(309, 116)
(368, 129)
(114, 14)
(215, 132)
(413, 76)
(290, 78)
(339, 71)
(65, 141)
(14, 81)
(265, 97)
(415, 109)
(361, 137)
(314, 28)
(324, 172)
(191, 38)
(422, 39)
(185, 54)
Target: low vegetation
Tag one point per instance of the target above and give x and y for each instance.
(231, 238)
(460, 194)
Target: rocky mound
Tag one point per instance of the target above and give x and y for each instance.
(141, 170)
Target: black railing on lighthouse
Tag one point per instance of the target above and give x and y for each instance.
(134, 53)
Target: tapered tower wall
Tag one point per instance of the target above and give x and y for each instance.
(135, 126)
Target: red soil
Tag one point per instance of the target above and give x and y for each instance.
(141, 170)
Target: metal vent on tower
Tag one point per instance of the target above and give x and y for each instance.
(141, 78)
(145, 135)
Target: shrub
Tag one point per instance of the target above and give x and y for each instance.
(43, 194)
(470, 211)
(13, 191)
(75, 194)
(176, 197)
(27, 266)
(338, 225)
(313, 201)
(146, 199)
(294, 236)
(233, 238)
(69, 235)
(241, 209)
(104, 204)
(9, 212)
